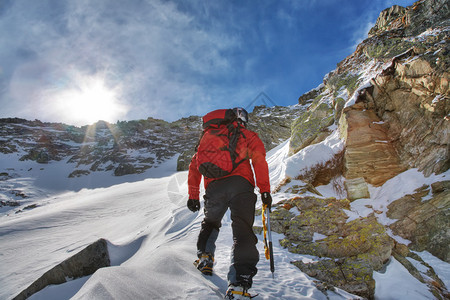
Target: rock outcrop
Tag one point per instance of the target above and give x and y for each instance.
(390, 103)
(414, 100)
(391, 18)
(84, 263)
(311, 126)
(397, 118)
(273, 124)
(349, 252)
(369, 152)
(424, 222)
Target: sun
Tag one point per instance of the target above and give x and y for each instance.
(90, 100)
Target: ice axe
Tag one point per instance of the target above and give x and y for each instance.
(268, 248)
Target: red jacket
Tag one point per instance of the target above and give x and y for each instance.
(252, 147)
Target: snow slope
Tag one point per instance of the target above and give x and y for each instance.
(152, 238)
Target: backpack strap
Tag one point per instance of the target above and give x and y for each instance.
(234, 132)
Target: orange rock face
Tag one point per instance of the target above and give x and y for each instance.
(369, 152)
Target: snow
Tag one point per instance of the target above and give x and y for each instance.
(63, 291)
(329, 190)
(342, 93)
(421, 268)
(43, 181)
(430, 32)
(396, 283)
(276, 160)
(397, 238)
(312, 155)
(437, 99)
(353, 99)
(440, 267)
(152, 235)
(381, 197)
(318, 237)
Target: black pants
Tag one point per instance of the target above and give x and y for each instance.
(237, 194)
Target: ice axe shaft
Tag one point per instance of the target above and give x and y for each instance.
(268, 241)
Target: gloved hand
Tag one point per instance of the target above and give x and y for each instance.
(266, 199)
(193, 204)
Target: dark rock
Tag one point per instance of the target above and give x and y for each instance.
(19, 194)
(273, 124)
(31, 206)
(358, 247)
(9, 203)
(125, 169)
(84, 263)
(78, 173)
(184, 160)
(439, 187)
(352, 275)
(424, 223)
(309, 96)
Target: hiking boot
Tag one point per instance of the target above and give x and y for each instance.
(205, 263)
(238, 292)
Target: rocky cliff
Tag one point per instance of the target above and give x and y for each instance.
(389, 100)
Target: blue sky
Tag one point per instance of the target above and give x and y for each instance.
(77, 61)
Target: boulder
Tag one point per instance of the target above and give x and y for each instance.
(356, 189)
(353, 250)
(84, 263)
(424, 223)
(440, 186)
(351, 274)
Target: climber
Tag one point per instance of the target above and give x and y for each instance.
(229, 183)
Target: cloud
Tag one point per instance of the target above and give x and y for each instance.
(160, 55)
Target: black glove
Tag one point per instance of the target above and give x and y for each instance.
(193, 204)
(266, 199)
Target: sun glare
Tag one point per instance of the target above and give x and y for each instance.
(90, 101)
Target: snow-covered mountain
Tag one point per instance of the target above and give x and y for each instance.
(359, 171)
(38, 153)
